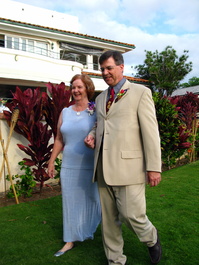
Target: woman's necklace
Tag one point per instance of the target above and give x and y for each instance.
(79, 111)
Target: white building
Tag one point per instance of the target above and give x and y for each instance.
(183, 91)
(38, 46)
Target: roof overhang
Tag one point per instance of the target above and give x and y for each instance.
(9, 25)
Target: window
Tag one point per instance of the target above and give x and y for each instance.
(16, 44)
(12, 43)
(9, 42)
(75, 57)
(2, 42)
(95, 63)
(64, 55)
(29, 45)
(82, 59)
(41, 48)
(23, 44)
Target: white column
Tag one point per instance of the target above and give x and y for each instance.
(90, 62)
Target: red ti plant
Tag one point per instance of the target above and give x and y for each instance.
(39, 150)
(34, 106)
(59, 99)
(31, 126)
(188, 106)
(29, 104)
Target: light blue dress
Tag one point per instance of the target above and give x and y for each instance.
(80, 197)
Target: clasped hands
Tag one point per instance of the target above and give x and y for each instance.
(90, 141)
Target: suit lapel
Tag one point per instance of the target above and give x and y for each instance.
(103, 100)
(125, 86)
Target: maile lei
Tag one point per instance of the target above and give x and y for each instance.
(120, 94)
(91, 108)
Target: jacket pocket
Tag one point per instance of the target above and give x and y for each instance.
(131, 154)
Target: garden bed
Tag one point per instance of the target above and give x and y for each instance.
(47, 192)
(54, 190)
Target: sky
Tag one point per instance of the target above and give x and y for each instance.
(149, 24)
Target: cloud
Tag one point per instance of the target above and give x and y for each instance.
(183, 15)
(149, 24)
(159, 42)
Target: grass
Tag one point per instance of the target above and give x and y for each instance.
(31, 232)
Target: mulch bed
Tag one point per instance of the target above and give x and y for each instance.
(47, 192)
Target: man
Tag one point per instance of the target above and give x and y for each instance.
(127, 155)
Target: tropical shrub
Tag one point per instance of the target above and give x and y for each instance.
(173, 133)
(58, 162)
(188, 107)
(37, 122)
(24, 183)
(59, 99)
(30, 125)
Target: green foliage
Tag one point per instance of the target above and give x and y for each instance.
(24, 182)
(188, 107)
(197, 144)
(165, 70)
(37, 122)
(58, 162)
(30, 124)
(194, 81)
(171, 206)
(172, 132)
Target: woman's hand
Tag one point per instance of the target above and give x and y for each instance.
(51, 170)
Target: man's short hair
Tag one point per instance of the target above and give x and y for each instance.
(117, 56)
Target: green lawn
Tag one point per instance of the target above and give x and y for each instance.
(31, 232)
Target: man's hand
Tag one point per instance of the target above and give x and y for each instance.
(90, 141)
(154, 178)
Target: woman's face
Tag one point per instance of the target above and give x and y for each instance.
(78, 90)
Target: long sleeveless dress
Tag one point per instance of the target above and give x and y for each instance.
(80, 197)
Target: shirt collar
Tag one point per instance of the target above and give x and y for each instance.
(118, 86)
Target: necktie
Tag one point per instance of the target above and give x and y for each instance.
(110, 100)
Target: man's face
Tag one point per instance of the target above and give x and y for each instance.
(111, 72)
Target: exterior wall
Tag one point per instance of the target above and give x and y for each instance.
(14, 154)
(100, 85)
(28, 66)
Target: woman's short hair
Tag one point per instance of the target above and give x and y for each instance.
(90, 88)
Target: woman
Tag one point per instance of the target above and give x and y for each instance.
(80, 198)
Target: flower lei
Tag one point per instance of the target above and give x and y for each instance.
(120, 94)
(91, 108)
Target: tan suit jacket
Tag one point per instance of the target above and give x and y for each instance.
(130, 136)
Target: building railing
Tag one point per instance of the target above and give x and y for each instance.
(16, 45)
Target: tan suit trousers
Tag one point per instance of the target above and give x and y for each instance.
(122, 204)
